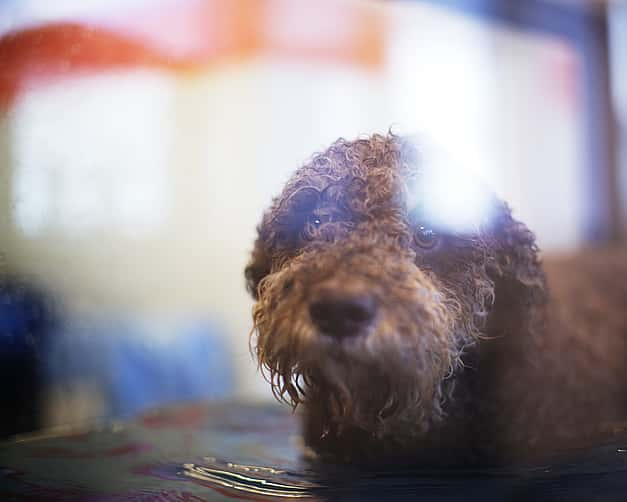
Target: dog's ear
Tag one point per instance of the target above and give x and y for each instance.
(258, 267)
(515, 261)
(519, 282)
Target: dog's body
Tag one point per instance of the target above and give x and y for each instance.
(405, 338)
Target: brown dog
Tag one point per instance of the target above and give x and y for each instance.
(407, 334)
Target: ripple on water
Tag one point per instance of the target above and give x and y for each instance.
(265, 481)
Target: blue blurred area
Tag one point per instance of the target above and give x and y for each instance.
(135, 370)
(130, 364)
(26, 316)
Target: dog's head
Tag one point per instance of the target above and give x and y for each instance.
(366, 298)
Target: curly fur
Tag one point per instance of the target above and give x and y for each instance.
(468, 353)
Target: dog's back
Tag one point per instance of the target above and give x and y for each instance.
(588, 302)
(568, 381)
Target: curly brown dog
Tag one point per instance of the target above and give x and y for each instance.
(404, 337)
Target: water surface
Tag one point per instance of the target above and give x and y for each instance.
(201, 452)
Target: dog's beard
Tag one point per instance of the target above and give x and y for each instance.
(396, 372)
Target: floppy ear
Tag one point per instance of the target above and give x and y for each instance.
(515, 264)
(258, 267)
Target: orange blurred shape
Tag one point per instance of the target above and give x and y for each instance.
(195, 34)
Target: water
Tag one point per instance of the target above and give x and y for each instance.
(251, 479)
(200, 452)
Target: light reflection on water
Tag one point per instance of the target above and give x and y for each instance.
(251, 479)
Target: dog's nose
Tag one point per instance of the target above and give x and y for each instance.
(342, 315)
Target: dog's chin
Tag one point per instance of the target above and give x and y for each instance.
(363, 382)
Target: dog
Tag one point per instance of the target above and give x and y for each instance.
(404, 334)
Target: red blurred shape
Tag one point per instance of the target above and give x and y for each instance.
(193, 34)
(61, 49)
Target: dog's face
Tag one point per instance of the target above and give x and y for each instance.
(363, 302)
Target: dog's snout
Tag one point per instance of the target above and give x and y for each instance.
(342, 315)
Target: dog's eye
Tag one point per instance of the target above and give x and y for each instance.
(426, 238)
(318, 219)
(312, 224)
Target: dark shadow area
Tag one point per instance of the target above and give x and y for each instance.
(27, 319)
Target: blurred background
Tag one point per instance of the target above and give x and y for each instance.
(140, 141)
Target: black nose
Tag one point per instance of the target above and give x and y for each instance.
(342, 315)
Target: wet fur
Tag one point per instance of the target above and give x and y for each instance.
(471, 355)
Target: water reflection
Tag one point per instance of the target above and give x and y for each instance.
(250, 479)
